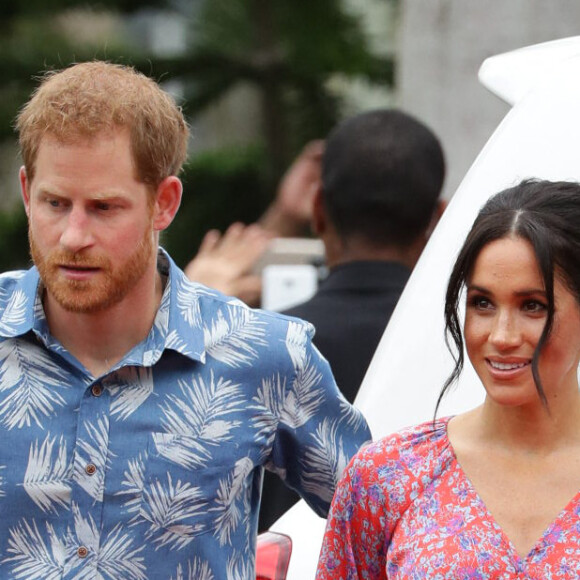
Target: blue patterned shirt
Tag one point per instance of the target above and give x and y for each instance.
(154, 469)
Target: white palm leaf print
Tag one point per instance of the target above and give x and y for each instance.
(196, 570)
(46, 478)
(166, 506)
(33, 382)
(133, 389)
(132, 483)
(296, 339)
(94, 449)
(303, 400)
(87, 534)
(267, 407)
(231, 338)
(115, 556)
(354, 420)
(86, 530)
(240, 567)
(14, 312)
(200, 415)
(33, 559)
(271, 394)
(188, 308)
(2, 482)
(184, 450)
(230, 493)
(324, 461)
(118, 558)
(175, 342)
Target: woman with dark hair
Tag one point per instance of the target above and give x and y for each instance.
(494, 492)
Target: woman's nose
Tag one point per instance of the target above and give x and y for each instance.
(505, 332)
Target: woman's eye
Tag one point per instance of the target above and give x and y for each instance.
(534, 306)
(481, 303)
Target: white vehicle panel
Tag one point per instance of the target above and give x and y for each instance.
(537, 138)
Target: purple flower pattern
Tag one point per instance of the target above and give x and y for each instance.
(405, 510)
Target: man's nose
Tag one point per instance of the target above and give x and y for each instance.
(77, 231)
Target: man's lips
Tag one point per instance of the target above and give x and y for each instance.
(78, 272)
(77, 267)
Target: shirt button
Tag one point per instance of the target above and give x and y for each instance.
(91, 468)
(82, 552)
(97, 390)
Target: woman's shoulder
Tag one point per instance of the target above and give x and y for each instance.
(415, 450)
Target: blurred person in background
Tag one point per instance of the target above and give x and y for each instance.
(227, 261)
(374, 208)
(138, 410)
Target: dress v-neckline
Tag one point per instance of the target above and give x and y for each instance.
(542, 540)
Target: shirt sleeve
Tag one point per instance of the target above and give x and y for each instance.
(318, 430)
(355, 541)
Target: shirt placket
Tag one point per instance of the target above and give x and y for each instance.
(91, 452)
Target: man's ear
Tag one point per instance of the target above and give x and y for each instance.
(319, 220)
(437, 213)
(167, 201)
(24, 189)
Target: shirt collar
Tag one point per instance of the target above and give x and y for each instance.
(18, 291)
(177, 325)
(366, 275)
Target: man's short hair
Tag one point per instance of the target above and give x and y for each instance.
(94, 98)
(382, 174)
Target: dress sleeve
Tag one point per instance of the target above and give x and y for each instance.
(318, 430)
(355, 541)
(374, 495)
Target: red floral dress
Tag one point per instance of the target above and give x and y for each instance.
(404, 510)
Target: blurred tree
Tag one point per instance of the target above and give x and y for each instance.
(36, 35)
(287, 49)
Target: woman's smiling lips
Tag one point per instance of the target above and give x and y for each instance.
(507, 367)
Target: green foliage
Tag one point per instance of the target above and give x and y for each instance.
(10, 9)
(50, 43)
(288, 49)
(220, 187)
(13, 241)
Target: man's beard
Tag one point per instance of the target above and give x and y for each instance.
(111, 285)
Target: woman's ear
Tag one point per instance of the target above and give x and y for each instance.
(167, 201)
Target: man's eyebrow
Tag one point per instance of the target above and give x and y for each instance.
(47, 190)
(101, 196)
